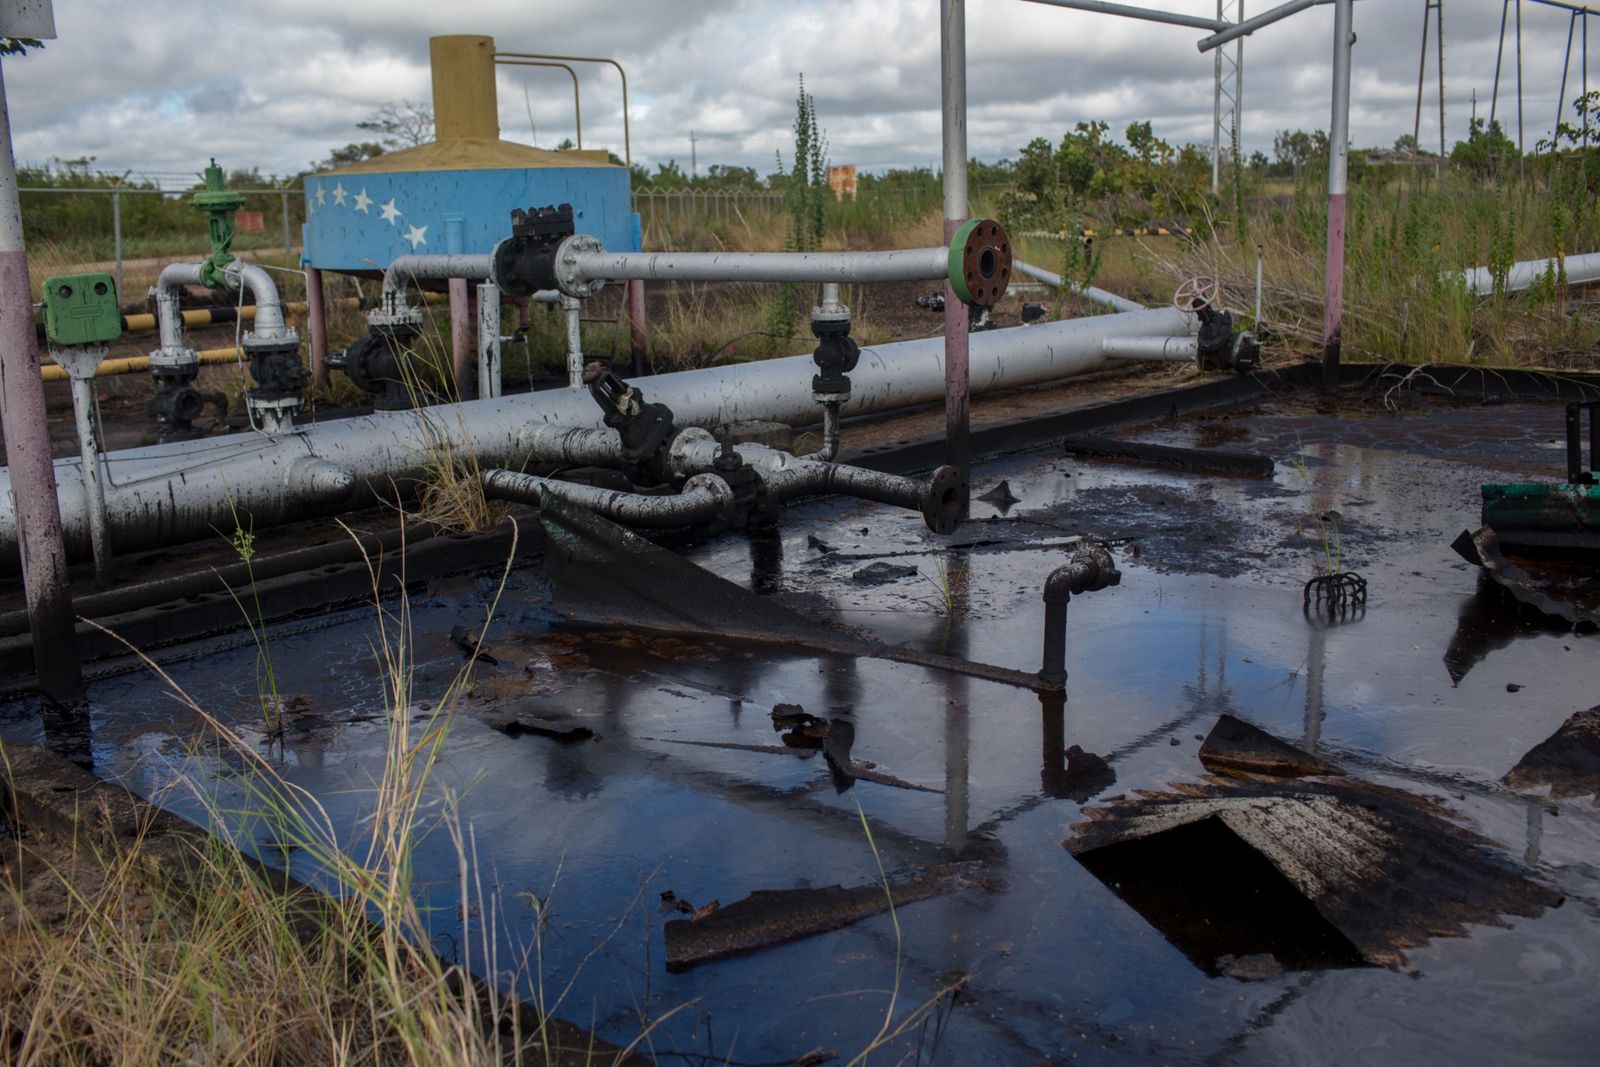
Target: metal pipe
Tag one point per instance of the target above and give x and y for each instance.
(572, 311)
(830, 432)
(89, 452)
(30, 498)
(1261, 254)
(704, 499)
(269, 323)
(1251, 25)
(577, 101)
(637, 325)
(1338, 170)
(1176, 349)
(168, 494)
(905, 265)
(489, 384)
(627, 134)
(1088, 292)
(168, 295)
(110, 368)
(1580, 270)
(957, 315)
(407, 270)
(1101, 7)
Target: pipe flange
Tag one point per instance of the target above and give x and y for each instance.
(286, 341)
(980, 262)
(567, 279)
(944, 501)
(402, 317)
(718, 488)
(174, 360)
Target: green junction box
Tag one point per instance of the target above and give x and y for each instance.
(81, 309)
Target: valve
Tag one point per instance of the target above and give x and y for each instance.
(644, 427)
(220, 205)
(280, 377)
(1218, 345)
(377, 363)
(525, 262)
(837, 353)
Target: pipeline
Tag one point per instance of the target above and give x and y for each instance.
(704, 499)
(50, 372)
(1088, 292)
(1580, 270)
(178, 492)
(907, 265)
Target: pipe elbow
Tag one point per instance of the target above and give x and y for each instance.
(1090, 568)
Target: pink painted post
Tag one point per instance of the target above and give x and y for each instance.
(317, 324)
(27, 437)
(636, 325)
(462, 351)
(1338, 180)
(953, 99)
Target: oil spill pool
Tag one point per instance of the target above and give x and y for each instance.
(1412, 693)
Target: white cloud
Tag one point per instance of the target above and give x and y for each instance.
(278, 83)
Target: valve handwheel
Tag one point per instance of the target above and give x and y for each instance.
(1197, 293)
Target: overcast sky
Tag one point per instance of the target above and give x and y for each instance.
(275, 84)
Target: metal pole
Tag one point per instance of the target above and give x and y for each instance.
(1101, 7)
(1338, 162)
(287, 247)
(572, 310)
(317, 323)
(1561, 94)
(1216, 111)
(488, 340)
(1245, 27)
(577, 101)
(637, 341)
(1522, 167)
(116, 232)
(627, 135)
(957, 380)
(1499, 55)
(1422, 67)
(27, 437)
(1438, 8)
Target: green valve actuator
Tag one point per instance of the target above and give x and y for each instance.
(220, 205)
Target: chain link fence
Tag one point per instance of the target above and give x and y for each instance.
(133, 232)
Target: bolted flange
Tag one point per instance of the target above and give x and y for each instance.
(980, 262)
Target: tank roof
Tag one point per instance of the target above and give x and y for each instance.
(474, 154)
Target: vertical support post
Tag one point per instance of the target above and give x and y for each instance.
(572, 311)
(957, 384)
(1522, 167)
(1216, 111)
(287, 247)
(116, 233)
(33, 476)
(1438, 9)
(1574, 444)
(489, 384)
(1338, 174)
(1422, 68)
(461, 348)
(1053, 664)
(636, 325)
(1561, 94)
(317, 322)
(1499, 55)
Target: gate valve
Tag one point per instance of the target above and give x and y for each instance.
(728, 465)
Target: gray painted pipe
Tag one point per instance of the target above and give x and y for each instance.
(906, 265)
(1177, 349)
(1580, 270)
(705, 498)
(1088, 292)
(403, 270)
(186, 490)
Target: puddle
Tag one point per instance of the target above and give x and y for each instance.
(1412, 694)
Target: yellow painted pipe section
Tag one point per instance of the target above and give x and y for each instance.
(465, 106)
(144, 322)
(135, 364)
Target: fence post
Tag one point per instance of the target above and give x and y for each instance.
(286, 245)
(116, 235)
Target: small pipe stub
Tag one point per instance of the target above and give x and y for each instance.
(980, 262)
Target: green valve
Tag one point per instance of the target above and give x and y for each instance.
(81, 309)
(220, 204)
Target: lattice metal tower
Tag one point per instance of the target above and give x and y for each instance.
(1227, 98)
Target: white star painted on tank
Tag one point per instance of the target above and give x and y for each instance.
(339, 194)
(417, 235)
(362, 201)
(390, 212)
(322, 198)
